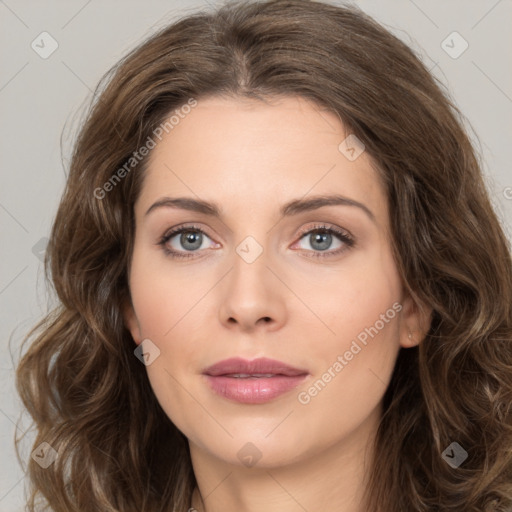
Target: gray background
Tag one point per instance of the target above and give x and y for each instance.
(40, 99)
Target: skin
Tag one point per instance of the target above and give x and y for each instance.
(251, 157)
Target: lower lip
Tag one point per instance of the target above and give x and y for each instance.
(253, 390)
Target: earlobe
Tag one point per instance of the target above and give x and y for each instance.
(416, 320)
(131, 322)
(412, 340)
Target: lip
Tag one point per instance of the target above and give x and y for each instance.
(260, 380)
(261, 365)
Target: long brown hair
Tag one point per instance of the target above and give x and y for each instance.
(89, 395)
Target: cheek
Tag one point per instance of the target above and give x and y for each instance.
(167, 310)
(163, 320)
(353, 367)
(161, 297)
(353, 299)
(356, 355)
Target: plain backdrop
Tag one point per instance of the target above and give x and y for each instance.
(41, 99)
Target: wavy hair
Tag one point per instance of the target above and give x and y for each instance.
(90, 398)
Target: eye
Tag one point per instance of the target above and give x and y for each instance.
(320, 239)
(191, 239)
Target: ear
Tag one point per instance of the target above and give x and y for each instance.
(416, 320)
(131, 322)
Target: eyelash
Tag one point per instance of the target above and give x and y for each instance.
(343, 236)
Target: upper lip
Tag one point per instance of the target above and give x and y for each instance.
(262, 365)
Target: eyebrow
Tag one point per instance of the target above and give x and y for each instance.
(293, 207)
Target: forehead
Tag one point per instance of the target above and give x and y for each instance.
(257, 155)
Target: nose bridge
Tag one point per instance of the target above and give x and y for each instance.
(250, 293)
(250, 262)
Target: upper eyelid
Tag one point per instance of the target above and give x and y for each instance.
(319, 226)
(176, 230)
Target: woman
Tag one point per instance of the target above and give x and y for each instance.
(282, 283)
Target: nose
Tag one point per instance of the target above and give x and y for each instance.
(253, 297)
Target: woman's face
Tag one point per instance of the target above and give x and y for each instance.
(314, 286)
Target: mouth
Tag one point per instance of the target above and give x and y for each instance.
(260, 367)
(253, 382)
(250, 376)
